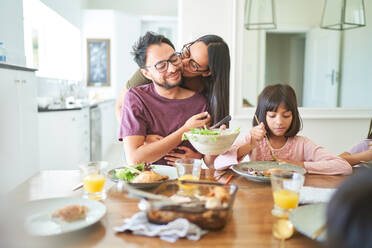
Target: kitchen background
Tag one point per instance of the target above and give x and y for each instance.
(51, 119)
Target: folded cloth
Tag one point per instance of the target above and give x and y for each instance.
(314, 195)
(179, 228)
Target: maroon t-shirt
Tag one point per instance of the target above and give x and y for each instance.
(145, 112)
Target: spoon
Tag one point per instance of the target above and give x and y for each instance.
(282, 229)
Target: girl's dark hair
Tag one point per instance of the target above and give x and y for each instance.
(140, 47)
(217, 85)
(369, 136)
(349, 215)
(270, 99)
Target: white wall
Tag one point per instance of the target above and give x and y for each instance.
(68, 9)
(357, 64)
(198, 18)
(11, 30)
(122, 30)
(137, 7)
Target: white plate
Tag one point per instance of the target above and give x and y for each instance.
(242, 169)
(163, 170)
(309, 218)
(38, 219)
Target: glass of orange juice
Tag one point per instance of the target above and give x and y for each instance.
(286, 186)
(188, 169)
(93, 179)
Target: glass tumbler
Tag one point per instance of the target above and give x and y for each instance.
(286, 186)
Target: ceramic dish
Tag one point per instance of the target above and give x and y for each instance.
(213, 144)
(309, 218)
(367, 163)
(261, 166)
(38, 219)
(163, 170)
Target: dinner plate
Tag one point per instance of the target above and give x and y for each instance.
(367, 163)
(163, 170)
(242, 169)
(309, 218)
(38, 220)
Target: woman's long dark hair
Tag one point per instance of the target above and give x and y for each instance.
(217, 85)
(369, 136)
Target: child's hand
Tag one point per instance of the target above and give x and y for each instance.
(292, 162)
(257, 133)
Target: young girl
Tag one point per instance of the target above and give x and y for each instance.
(361, 151)
(279, 119)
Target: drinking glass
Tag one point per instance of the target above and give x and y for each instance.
(286, 186)
(92, 175)
(188, 168)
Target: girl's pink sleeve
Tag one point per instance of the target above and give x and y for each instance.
(320, 161)
(230, 157)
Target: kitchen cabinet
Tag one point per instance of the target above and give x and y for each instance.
(19, 126)
(64, 138)
(109, 127)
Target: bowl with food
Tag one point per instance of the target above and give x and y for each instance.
(142, 176)
(208, 205)
(211, 141)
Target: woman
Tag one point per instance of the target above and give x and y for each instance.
(206, 68)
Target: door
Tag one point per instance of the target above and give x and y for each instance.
(321, 68)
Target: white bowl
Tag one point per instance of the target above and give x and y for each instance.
(213, 144)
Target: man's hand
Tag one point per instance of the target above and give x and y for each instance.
(198, 120)
(189, 153)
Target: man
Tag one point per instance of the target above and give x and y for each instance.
(162, 107)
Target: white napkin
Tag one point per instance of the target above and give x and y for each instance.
(179, 228)
(315, 195)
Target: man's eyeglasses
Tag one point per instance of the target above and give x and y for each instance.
(162, 65)
(185, 54)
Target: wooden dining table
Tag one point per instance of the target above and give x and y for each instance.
(249, 226)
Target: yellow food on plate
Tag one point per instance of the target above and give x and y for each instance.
(71, 213)
(268, 172)
(149, 177)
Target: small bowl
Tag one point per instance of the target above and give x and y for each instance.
(213, 144)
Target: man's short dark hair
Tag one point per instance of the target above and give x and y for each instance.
(140, 47)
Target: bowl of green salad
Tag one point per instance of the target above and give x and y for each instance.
(211, 141)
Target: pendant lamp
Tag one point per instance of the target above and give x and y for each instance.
(343, 14)
(259, 14)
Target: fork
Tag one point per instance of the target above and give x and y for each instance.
(268, 141)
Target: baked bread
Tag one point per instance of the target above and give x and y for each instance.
(71, 213)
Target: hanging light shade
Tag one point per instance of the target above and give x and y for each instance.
(343, 14)
(259, 14)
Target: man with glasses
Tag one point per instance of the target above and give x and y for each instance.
(161, 108)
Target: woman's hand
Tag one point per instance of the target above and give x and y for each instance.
(189, 153)
(199, 120)
(257, 133)
(152, 138)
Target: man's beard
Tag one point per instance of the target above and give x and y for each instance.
(166, 85)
